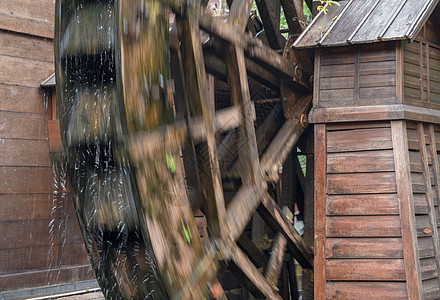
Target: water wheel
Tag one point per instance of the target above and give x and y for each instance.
(125, 123)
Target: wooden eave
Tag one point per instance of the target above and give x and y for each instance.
(367, 21)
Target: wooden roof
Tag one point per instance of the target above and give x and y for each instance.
(366, 21)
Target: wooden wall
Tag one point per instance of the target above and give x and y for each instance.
(40, 240)
(359, 251)
(422, 69)
(377, 213)
(355, 76)
(424, 147)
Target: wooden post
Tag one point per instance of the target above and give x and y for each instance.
(406, 209)
(320, 194)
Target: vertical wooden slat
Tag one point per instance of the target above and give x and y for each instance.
(356, 75)
(421, 70)
(317, 72)
(399, 72)
(406, 209)
(320, 192)
(428, 85)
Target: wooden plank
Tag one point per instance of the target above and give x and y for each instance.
(23, 207)
(380, 80)
(26, 25)
(341, 94)
(359, 162)
(423, 226)
(388, 92)
(359, 140)
(22, 99)
(420, 204)
(336, 83)
(357, 125)
(25, 46)
(376, 68)
(25, 153)
(46, 277)
(425, 247)
(364, 248)
(377, 53)
(37, 9)
(25, 234)
(431, 289)
(366, 290)
(342, 71)
(415, 162)
(23, 126)
(361, 183)
(429, 269)
(24, 72)
(418, 183)
(363, 226)
(320, 171)
(29, 259)
(366, 204)
(406, 207)
(26, 180)
(74, 254)
(365, 269)
(341, 58)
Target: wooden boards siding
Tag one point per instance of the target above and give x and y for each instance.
(425, 173)
(360, 234)
(421, 65)
(357, 75)
(34, 17)
(41, 241)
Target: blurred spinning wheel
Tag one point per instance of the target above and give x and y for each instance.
(122, 144)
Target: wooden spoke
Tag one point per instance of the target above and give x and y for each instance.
(273, 215)
(250, 276)
(199, 105)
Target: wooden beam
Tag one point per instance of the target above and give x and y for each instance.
(406, 209)
(320, 182)
(249, 275)
(251, 250)
(242, 208)
(194, 71)
(270, 15)
(276, 259)
(276, 219)
(255, 50)
(285, 140)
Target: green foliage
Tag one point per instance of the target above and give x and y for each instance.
(283, 21)
(324, 3)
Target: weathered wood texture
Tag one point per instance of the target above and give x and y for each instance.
(421, 67)
(29, 17)
(358, 232)
(425, 173)
(41, 242)
(356, 76)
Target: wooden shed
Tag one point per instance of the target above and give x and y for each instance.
(376, 116)
(41, 248)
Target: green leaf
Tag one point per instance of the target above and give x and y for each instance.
(170, 163)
